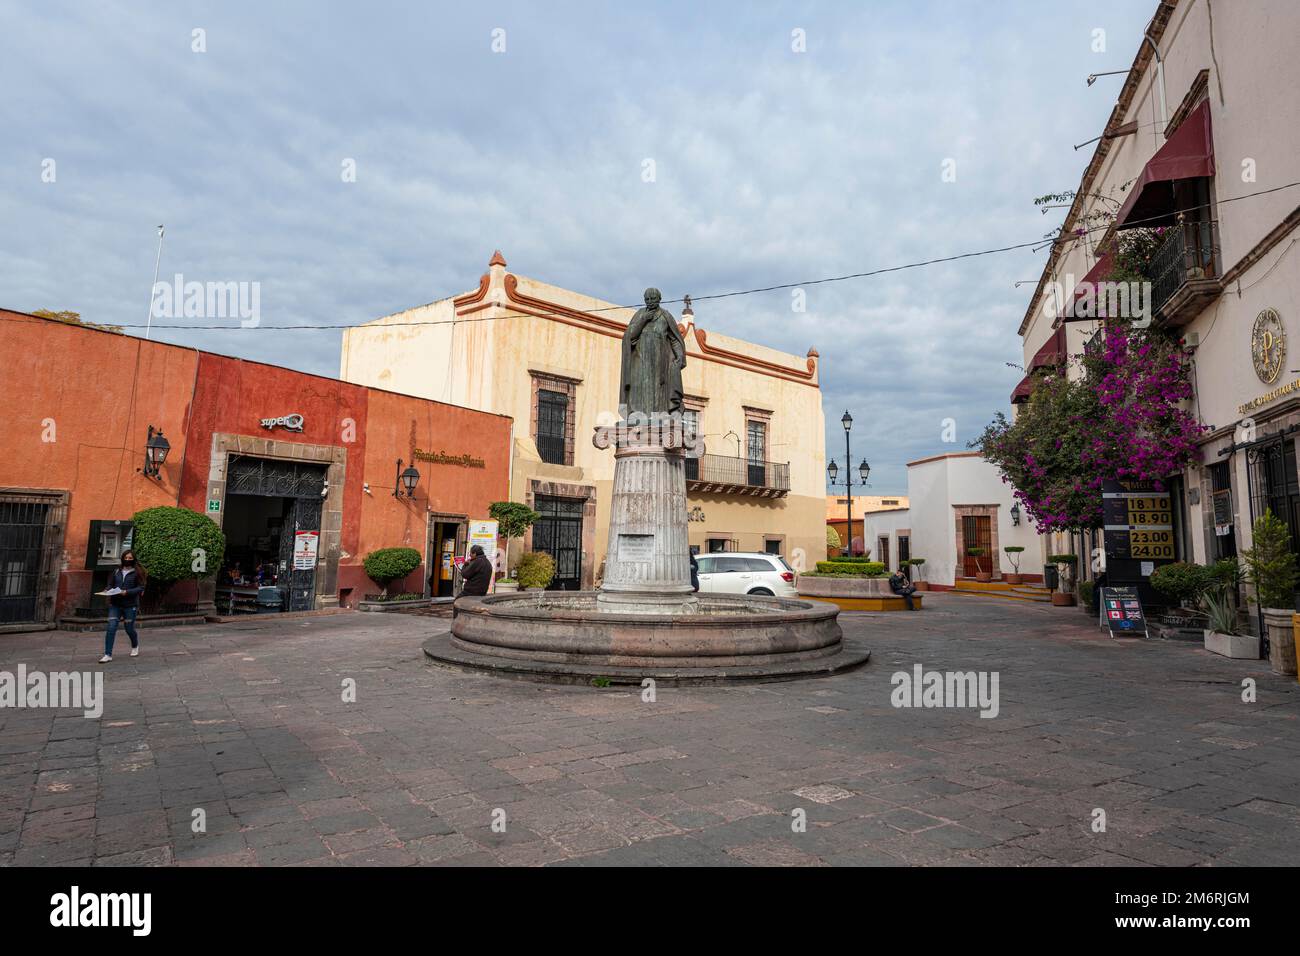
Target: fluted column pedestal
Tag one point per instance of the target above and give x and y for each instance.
(647, 562)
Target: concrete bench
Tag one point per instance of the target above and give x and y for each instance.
(854, 594)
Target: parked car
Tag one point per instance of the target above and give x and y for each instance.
(735, 572)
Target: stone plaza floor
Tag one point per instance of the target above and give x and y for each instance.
(247, 722)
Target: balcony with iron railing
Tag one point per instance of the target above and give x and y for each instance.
(1184, 271)
(740, 476)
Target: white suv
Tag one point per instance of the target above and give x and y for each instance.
(734, 572)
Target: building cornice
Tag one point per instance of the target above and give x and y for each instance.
(473, 302)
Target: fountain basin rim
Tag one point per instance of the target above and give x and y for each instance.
(749, 609)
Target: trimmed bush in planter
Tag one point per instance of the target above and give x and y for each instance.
(1181, 581)
(536, 569)
(1013, 552)
(854, 568)
(175, 544)
(387, 565)
(916, 564)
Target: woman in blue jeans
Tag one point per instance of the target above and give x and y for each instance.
(130, 579)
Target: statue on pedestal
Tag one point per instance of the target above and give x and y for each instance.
(654, 354)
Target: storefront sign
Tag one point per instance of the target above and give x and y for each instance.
(1139, 523)
(1120, 612)
(442, 458)
(1222, 512)
(305, 545)
(484, 534)
(291, 423)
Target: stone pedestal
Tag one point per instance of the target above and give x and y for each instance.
(647, 563)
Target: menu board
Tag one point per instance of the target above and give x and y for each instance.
(1121, 612)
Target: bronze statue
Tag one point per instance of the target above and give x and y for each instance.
(654, 354)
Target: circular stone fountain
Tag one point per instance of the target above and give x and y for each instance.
(645, 621)
(566, 637)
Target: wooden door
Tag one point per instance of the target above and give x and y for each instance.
(976, 532)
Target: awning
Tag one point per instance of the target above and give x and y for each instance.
(1185, 155)
(1097, 273)
(1052, 354)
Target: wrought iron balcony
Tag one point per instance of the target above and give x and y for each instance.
(1184, 272)
(724, 475)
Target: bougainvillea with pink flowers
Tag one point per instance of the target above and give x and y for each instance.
(1125, 419)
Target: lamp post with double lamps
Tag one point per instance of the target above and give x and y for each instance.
(864, 470)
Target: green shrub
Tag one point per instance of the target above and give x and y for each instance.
(174, 544)
(1013, 552)
(1087, 591)
(864, 569)
(1063, 558)
(854, 559)
(1181, 581)
(1270, 564)
(832, 539)
(536, 569)
(390, 564)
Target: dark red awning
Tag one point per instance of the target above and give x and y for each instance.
(1052, 354)
(1185, 155)
(1101, 268)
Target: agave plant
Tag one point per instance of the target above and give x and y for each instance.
(1221, 611)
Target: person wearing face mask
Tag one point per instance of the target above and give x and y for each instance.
(129, 578)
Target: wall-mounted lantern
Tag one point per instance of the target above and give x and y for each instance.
(1015, 514)
(407, 479)
(155, 453)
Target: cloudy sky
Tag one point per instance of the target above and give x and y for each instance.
(770, 166)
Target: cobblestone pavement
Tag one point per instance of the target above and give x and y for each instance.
(246, 721)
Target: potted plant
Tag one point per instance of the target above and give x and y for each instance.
(386, 565)
(508, 581)
(921, 583)
(1183, 583)
(1064, 595)
(1271, 569)
(1222, 632)
(1013, 552)
(176, 544)
(1088, 597)
(536, 570)
(513, 521)
(980, 574)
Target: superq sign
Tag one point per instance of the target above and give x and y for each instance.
(291, 423)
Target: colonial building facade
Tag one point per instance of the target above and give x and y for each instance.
(549, 358)
(1203, 143)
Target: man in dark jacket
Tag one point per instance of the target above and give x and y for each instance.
(476, 575)
(899, 584)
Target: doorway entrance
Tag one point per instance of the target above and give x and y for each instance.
(272, 527)
(976, 532)
(447, 537)
(558, 532)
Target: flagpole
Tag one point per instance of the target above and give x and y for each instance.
(158, 261)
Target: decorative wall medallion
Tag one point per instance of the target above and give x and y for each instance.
(1268, 345)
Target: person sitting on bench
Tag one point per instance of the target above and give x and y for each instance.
(904, 588)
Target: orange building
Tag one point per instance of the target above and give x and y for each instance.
(283, 461)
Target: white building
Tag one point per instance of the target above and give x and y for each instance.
(957, 501)
(1204, 140)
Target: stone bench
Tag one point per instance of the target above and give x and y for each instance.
(854, 594)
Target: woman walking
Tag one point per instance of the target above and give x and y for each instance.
(129, 578)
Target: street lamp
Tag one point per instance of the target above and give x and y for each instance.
(409, 477)
(832, 470)
(155, 453)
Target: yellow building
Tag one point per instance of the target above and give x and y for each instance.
(549, 358)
